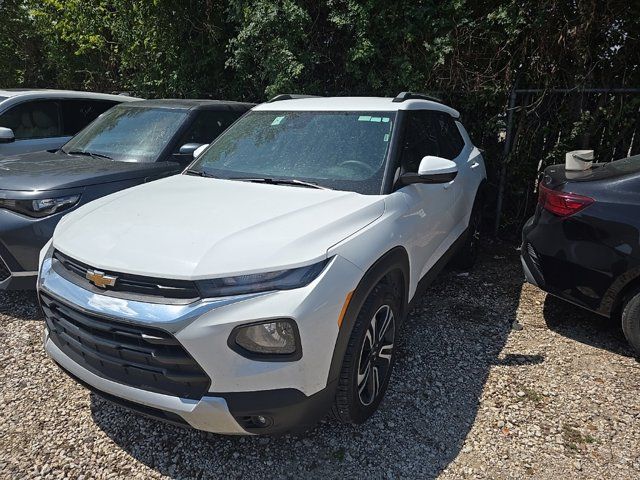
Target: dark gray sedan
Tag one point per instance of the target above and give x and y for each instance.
(128, 145)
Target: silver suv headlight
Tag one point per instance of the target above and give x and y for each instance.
(261, 282)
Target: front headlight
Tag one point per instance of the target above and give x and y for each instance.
(41, 207)
(261, 282)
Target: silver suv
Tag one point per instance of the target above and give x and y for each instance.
(33, 120)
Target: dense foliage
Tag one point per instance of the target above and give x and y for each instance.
(470, 52)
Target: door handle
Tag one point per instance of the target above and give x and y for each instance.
(447, 185)
(475, 165)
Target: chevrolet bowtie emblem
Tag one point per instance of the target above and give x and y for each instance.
(99, 279)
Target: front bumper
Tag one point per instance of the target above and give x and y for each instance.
(209, 413)
(21, 240)
(290, 394)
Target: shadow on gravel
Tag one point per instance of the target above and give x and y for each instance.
(583, 326)
(451, 340)
(515, 360)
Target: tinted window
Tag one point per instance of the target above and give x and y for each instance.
(341, 150)
(128, 133)
(207, 125)
(419, 140)
(77, 114)
(451, 142)
(33, 120)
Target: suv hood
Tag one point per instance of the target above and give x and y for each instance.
(52, 171)
(188, 227)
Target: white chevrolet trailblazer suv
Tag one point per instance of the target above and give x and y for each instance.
(267, 284)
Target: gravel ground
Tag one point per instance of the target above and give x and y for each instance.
(494, 379)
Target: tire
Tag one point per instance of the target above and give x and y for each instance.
(466, 257)
(356, 400)
(631, 320)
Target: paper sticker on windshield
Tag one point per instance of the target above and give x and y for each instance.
(277, 120)
(386, 137)
(369, 118)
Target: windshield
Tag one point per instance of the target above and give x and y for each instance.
(127, 133)
(338, 150)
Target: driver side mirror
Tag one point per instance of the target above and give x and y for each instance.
(432, 169)
(6, 135)
(189, 148)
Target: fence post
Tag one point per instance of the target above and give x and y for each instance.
(505, 155)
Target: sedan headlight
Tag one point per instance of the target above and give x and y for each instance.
(261, 282)
(41, 207)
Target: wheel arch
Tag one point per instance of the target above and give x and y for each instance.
(613, 299)
(393, 267)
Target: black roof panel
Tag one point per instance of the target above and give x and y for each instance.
(193, 104)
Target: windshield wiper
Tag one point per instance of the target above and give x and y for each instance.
(199, 173)
(280, 181)
(88, 154)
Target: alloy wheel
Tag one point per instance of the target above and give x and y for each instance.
(375, 355)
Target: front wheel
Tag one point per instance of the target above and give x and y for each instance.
(369, 358)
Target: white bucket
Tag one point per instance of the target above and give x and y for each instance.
(578, 160)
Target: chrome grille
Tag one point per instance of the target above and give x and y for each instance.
(135, 355)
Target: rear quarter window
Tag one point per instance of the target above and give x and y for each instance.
(33, 119)
(451, 142)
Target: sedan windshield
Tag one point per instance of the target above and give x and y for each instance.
(128, 133)
(338, 150)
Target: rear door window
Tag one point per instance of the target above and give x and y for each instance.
(77, 114)
(30, 120)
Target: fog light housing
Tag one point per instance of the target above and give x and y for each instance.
(268, 340)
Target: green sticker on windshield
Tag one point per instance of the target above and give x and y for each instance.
(277, 120)
(385, 119)
(386, 137)
(376, 119)
(364, 118)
